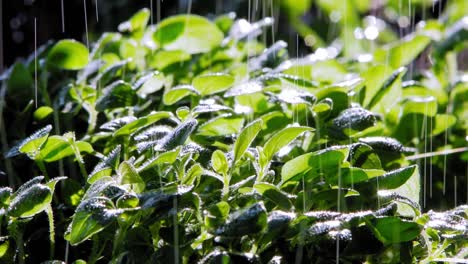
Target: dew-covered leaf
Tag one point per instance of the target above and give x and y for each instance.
(117, 123)
(32, 144)
(105, 166)
(248, 221)
(30, 201)
(178, 136)
(117, 94)
(91, 217)
(141, 122)
(350, 120)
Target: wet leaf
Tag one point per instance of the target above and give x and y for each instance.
(32, 144)
(191, 33)
(178, 136)
(392, 229)
(311, 165)
(117, 94)
(281, 139)
(59, 147)
(137, 22)
(271, 192)
(246, 137)
(221, 126)
(249, 221)
(212, 83)
(141, 122)
(91, 217)
(219, 162)
(178, 93)
(68, 54)
(30, 201)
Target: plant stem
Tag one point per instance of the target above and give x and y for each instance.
(20, 246)
(42, 168)
(50, 216)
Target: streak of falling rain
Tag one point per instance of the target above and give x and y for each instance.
(97, 10)
(151, 11)
(63, 16)
(158, 11)
(86, 23)
(35, 61)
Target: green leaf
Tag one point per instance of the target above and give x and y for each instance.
(42, 113)
(141, 122)
(117, 94)
(5, 194)
(149, 83)
(393, 179)
(274, 194)
(30, 201)
(51, 183)
(221, 126)
(311, 165)
(178, 136)
(177, 93)
(352, 175)
(165, 157)
(246, 137)
(296, 8)
(401, 53)
(20, 83)
(137, 22)
(192, 174)
(32, 144)
(91, 216)
(68, 54)
(392, 230)
(390, 92)
(164, 58)
(281, 139)
(190, 33)
(219, 162)
(327, 71)
(363, 156)
(58, 147)
(129, 175)
(248, 221)
(442, 123)
(105, 166)
(350, 121)
(420, 105)
(212, 83)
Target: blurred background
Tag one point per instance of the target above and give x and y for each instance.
(308, 23)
